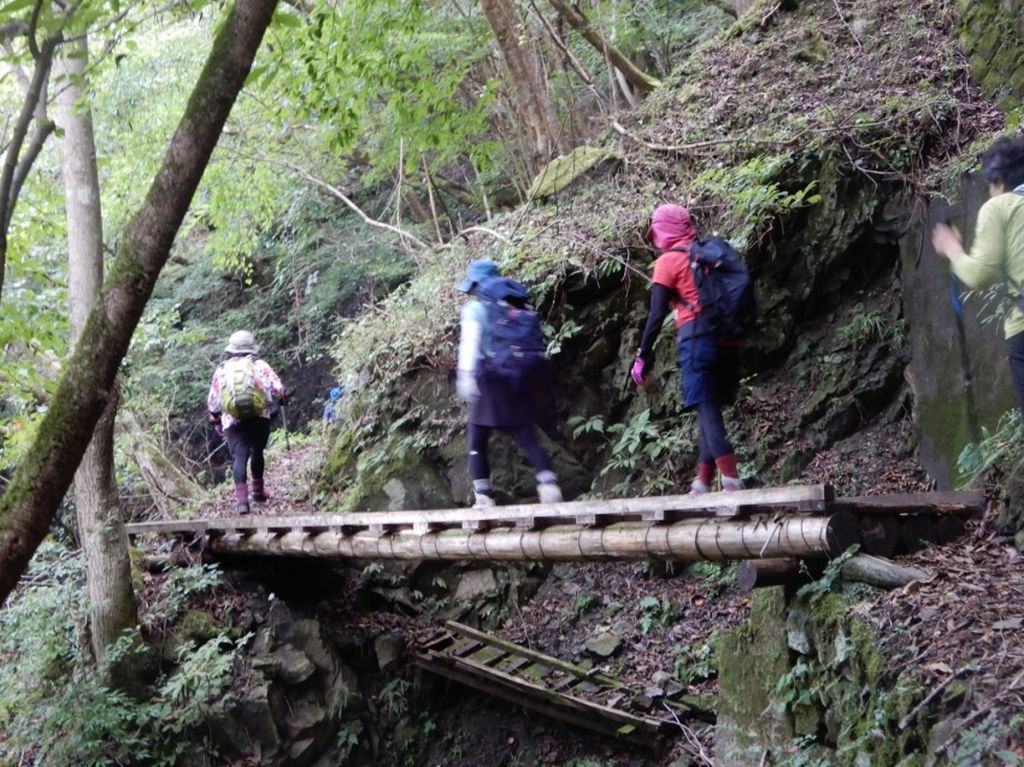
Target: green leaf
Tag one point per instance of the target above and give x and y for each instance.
(286, 19)
(13, 7)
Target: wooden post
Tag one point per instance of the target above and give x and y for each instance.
(916, 533)
(753, 573)
(880, 533)
(881, 572)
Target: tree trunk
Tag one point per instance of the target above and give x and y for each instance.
(112, 605)
(527, 75)
(636, 77)
(19, 158)
(42, 478)
(168, 485)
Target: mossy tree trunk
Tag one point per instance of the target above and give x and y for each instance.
(112, 605)
(84, 390)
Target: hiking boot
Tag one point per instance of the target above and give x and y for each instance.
(731, 483)
(549, 492)
(699, 487)
(258, 493)
(483, 501)
(241, 498)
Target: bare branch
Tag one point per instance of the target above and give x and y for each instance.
(637, 77)
(335, 192)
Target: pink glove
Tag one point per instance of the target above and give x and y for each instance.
(637, 371)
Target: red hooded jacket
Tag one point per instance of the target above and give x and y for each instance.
(671, 228)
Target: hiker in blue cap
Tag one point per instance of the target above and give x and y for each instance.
(501, 367)
(330, 415)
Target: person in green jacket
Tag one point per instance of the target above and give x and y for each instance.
(998, 248)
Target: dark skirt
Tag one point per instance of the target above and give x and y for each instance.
(507, 404)
(710, 370)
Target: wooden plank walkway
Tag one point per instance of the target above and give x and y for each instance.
(665, 508)
(556, 688)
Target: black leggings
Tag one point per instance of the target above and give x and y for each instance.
(1015, 351)
(246, 441)
(712, 442)
(480, 468)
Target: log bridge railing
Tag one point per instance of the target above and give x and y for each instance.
(804, 521)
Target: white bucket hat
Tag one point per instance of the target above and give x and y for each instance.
(242, 342)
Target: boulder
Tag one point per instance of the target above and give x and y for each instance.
(388, 648)
(248, 725)
(292, 666)
(476, 583)
(603, 645)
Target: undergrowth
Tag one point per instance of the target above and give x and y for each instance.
(54, 711)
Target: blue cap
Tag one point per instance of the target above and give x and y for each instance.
(478, 271)
(335, 393)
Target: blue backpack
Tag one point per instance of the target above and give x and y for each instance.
(725, 286)
(512, 343)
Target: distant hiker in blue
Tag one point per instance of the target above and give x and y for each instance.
(501, 369)
(330, 416)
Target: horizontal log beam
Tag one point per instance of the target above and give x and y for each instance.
(710, 539)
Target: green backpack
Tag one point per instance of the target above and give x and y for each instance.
(241, 395)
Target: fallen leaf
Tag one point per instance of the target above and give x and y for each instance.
(1009, 623)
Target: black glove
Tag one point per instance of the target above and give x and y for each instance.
(282, 399)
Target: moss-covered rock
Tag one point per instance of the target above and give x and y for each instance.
(565, 169)
(751, 660)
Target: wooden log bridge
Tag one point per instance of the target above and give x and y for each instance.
(794, 521)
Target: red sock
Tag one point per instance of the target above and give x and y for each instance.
(727, 465)
(706, 473)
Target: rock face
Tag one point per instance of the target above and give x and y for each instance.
(958, 370)
(992, 33)
(289, 713)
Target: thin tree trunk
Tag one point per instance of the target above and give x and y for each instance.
(19, 158)
(112, 605)
(43, 476)
(527, 76)
(169, 487)
(636, 77)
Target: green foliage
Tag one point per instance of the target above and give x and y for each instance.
(394, 696)
(386, 78)
(1000, 447)
(584, 601)
(752, 193)
(818, 589)
(642, 447)
(654, 611)
(51, 701)
(872, 326)
(717, 576)
(694, 663)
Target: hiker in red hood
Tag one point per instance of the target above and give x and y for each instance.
(709, 365)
